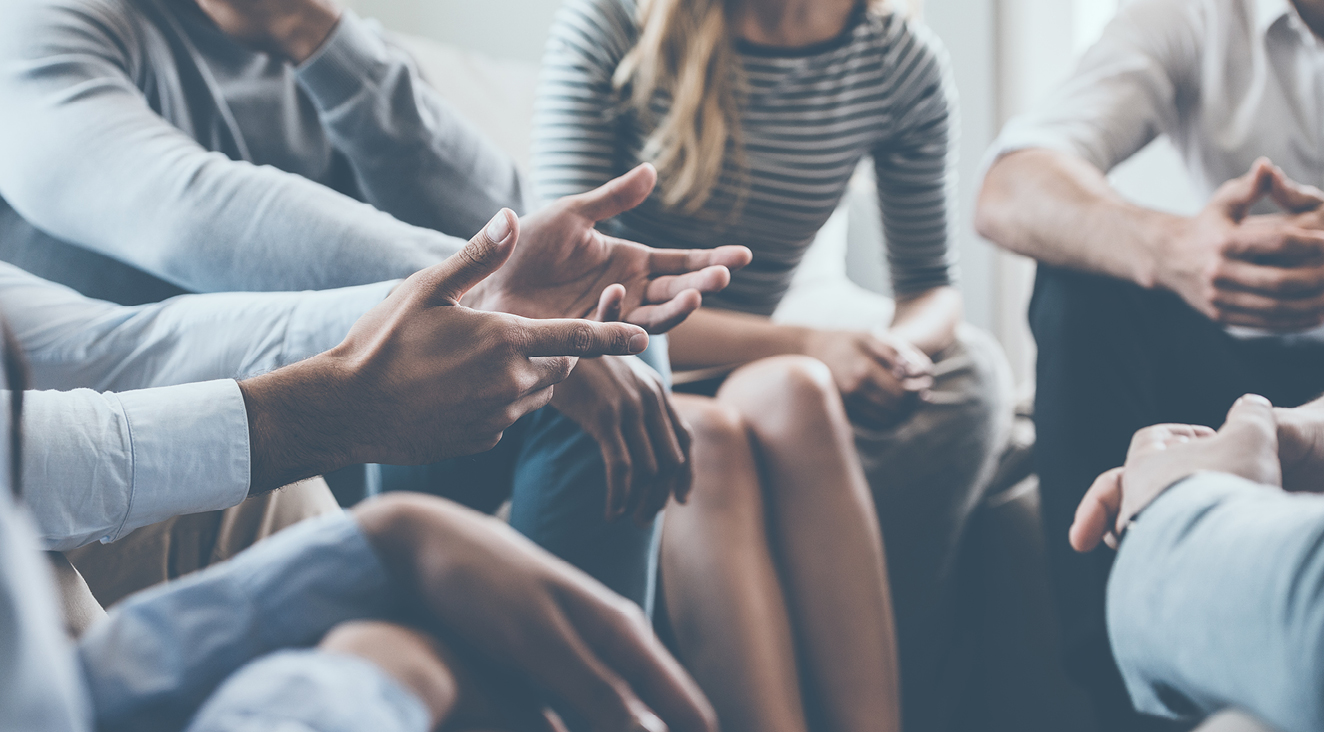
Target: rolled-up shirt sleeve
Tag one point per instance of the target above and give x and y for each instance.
(99, 465)
(1127, 89)
(72, 341)
(1216, 601)
(161, 653)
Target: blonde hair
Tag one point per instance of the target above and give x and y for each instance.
(685, 50)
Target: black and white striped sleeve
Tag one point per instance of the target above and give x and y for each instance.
(916, 165)
(576, 135)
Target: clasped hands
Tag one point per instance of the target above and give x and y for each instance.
(1257, 271)
(1274, 447)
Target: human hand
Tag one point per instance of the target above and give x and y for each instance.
(527, 613)
(622, 404)
(1161, 455)
(878, 374)
(1256, 271)
(419, 377)
(565, 264)
(293, 29)
(1301, 446)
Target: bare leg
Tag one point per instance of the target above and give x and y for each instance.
(723, 595)
(826, 538)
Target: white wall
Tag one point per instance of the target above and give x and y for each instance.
(1039, 42)
(513, 29)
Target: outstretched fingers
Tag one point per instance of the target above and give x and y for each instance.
(681, 261)
(708, 279)
(662, 318)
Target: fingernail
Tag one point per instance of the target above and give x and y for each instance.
(638, 343)
(1257, 399)
(499, 228)
(649, 722)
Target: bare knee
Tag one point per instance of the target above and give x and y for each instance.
(771, 391)
(726, 476)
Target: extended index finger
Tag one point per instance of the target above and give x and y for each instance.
(571, 337)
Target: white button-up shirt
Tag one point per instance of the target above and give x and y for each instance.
(1227, 81)
(155, 424)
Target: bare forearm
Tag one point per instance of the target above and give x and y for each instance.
(713, 337)
(1061, 210)
(928, 321)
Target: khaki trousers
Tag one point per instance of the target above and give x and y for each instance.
(98, 575)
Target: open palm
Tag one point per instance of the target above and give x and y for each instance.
(562, 264)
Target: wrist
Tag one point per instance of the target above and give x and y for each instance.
(299, 33)
(1167, 234)
(799, 340)
(294, 428)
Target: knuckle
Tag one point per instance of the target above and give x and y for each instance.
(581, 337)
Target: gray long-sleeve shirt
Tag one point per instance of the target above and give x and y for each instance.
(144, 153)
(1217, 601)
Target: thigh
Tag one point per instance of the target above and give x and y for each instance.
(1114, 358)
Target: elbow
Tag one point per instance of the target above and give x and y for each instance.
(994, 205)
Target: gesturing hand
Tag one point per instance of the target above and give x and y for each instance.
(1257, 271)
(622, 404)
(530, 614)
(1246, 445)
(419, 377)
(564, 264)
(878, 374)
(293, 29)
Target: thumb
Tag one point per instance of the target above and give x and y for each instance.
(1251, 419)
(1251, 431)
(1292, 196)
(483, 255)
(618, 195)
(1236, 196)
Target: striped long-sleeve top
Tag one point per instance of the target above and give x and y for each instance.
(808, 116)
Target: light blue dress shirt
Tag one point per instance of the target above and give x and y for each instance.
(155, 424)
(1216, 602)
(223, 650)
